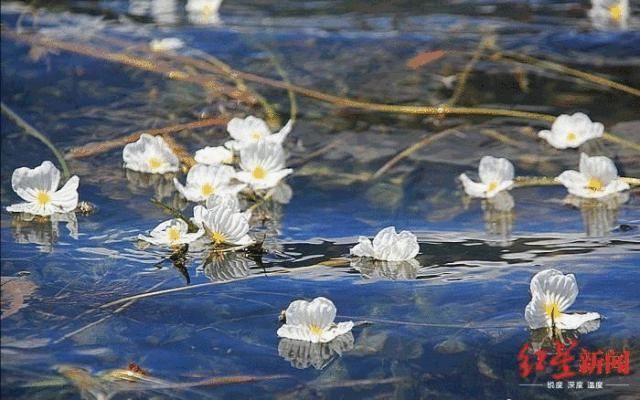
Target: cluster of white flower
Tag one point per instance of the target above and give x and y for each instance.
(597, 179)
(214, 181)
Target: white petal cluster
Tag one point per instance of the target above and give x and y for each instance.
(552, 293)
(251, 130)
(150, 154)
(597, 178)
(166, 44)
(388, 245)
(224, 225)
(38, 187)
(263, 165)
(206, 180)
(496, 175)
(203, 11)
(214, 155)
(173, 232)
(608, 14)
(313, 321)
(570, 131)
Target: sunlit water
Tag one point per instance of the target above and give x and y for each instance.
(451, 328)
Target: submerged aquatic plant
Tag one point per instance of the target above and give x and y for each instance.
(597, 178)
(570, 131)
(224, 225)
(173, 232)
(496, 175)
(606, 14)
(552, 293)
(263, 165)
(251, 130)
(150, 154)
(38, 187)
(388, 245)
(214, 155)
(206, 180)
(312, 321)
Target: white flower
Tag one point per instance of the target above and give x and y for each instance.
(496, 175)
(263, 165)
(313, 321)
(39, 188)
(214, 155)
(598, 177)
(571, 131)
(206, 180)
(224, 225)
(609, 13)
(173, 232)
(552, 293)
(150, 154)
(166, 44)
(250, 130)
(388, 246)
(203, 11)
(227, 200)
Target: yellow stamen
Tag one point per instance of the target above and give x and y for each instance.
(615, 12)
(571, 136)
(173, 233)
(256, 135)
(259, 173)
(207, 189)
(43, 198)
(552, 310)
(218, 238)
(315, 330)
(595, 184)
(492, 186)
(154, 163)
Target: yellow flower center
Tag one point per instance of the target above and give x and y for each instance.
(571, 136)
(552, 310)
(595, 184)
(43, 198)
(492, 186)
(218, 238)
(259, 173)
(615, 12)
(207, 189)
(315, 330)
(173, 233)
(255, 135)
(154, 163)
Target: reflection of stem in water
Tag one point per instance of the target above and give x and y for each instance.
(30, 130)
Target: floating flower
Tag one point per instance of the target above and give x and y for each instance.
(552, 292)
(570, 131)
(302, 355)
(39, 188)
(206, 180)
(150, 154)
(251, 130)
(609, 13)
(173, 232)
(203, 11)
(388, 246)
(166, 44)
(598, 177)
(496, 175)
(263, 165)
(223, 225)
(312, 321)
(214, 155)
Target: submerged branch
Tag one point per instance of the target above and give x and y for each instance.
(30, 130)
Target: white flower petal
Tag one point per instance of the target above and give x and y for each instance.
(575, 321)
(364, 248)
(473, 189)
